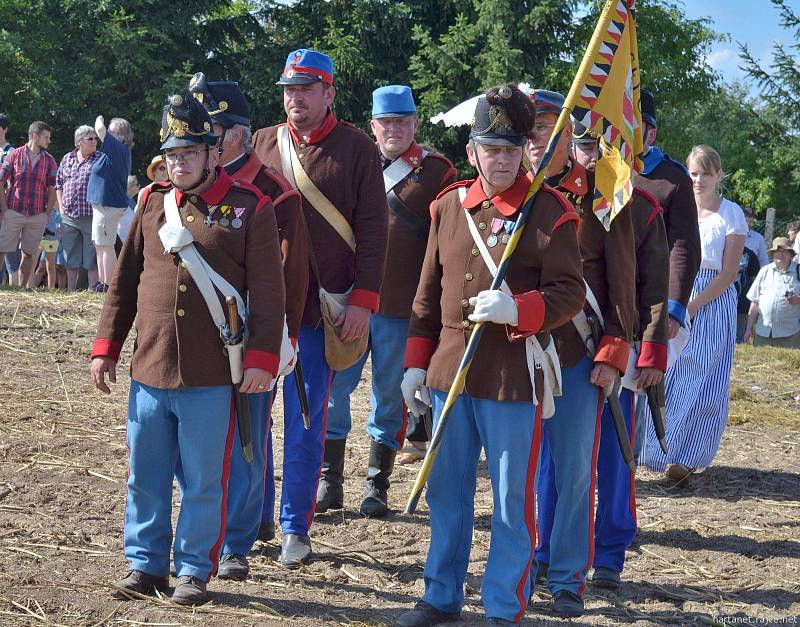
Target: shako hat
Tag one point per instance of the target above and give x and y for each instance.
(393, 101)
(305, 66)
(185, 122)
(581, 134)
(648, 106)
(224, 100)
(504, 116)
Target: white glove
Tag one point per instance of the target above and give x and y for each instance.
(494, 306)
(415, 394)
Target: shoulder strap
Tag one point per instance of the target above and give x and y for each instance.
(398, 171)
(202, 273)
(312, 194)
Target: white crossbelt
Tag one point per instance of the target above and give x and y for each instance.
(397, 171)
(179, 240)
(537, 358)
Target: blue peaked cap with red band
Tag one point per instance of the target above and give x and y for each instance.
(393, 101)
(307, 66)
(547, 101)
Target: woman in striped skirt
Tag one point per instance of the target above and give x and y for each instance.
(697, 384)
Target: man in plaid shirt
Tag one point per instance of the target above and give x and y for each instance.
(72, 184)
(24, 210)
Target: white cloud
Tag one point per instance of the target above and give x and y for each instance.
(722, 58)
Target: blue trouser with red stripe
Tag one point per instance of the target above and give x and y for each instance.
(302, 448)
(197, 425)
(246, 481)
(566, 482)
(509, 432)
(615, 525)
(386, 423)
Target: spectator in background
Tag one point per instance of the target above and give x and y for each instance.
(133, 190)
(5, 146)
(755, 241)
(11, 264)
(792, 230)
(748, 269)
(76, 213)
(31, 173)
(157, 170)
(50, 246)
(107, 193)
(774, 318)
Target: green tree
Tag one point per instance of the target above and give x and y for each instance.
(67, 61)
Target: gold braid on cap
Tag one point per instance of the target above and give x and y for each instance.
(498, 121)
(223, 106)
(180, 128)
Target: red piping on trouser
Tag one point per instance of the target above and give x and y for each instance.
(226, 470)
(530, 509)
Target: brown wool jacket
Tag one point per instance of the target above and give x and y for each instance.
(609, 268)
(406, 247)
(652, 280)
(672, 187)
(292, 234)
(544, 275)
(343, 163)
(177, 343)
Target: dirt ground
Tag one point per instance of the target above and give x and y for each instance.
(725, 549)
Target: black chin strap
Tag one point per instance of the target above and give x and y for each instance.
(221, 141)
(477, 159)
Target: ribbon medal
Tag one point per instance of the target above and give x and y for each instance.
(508, 226)
(496, 225)
(225, 220)
(237, 221)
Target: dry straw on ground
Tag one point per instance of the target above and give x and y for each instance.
(722, 548)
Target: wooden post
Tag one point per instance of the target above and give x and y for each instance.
(769, 226)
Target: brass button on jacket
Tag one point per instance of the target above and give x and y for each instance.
(181, 313)
(468, 276)
(182, 288)
(190, 218)
(486, 204)
(465, 323)
(465, 303)
(482, 226)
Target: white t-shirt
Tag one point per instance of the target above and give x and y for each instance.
(729, 220)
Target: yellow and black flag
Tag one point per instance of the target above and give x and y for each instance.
(608, 105)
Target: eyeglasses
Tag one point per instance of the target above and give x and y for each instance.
(543, 130)
(89, 139)
(186, 156)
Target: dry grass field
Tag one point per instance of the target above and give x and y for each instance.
(724, 549)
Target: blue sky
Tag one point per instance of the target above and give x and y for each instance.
(753, 22)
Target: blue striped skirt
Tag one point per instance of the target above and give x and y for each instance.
(697, 386)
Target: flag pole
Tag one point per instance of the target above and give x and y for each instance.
(466, 361)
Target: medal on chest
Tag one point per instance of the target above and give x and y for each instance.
(494, 235)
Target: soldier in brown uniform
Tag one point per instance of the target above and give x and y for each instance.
(509, 387)
(336, 168)
(566, 488)
(413, 176)
(181, 395)
(251, 487)
(615, 524)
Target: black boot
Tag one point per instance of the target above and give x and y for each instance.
(330, 493)
(376, 498)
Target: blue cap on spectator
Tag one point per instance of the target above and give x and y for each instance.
(648, 103)
(547, 101)
(307, 66)
(393, 101)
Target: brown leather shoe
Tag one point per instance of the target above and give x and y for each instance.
(190, 591)
(139, 582)
(679, 473)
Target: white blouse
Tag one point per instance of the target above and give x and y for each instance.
(729, 220)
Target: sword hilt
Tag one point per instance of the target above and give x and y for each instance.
(233, 316)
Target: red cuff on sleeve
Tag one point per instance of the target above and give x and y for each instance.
(530, 307)
(419, 351)
(261, 360)
(364, 298)
(106, 348)
(652, 355)
(614, 352)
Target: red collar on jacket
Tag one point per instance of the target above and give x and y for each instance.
(413, 156)
(318, 134)
(508, 201)
(214, 194)
(576, 179)
(249, 171)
